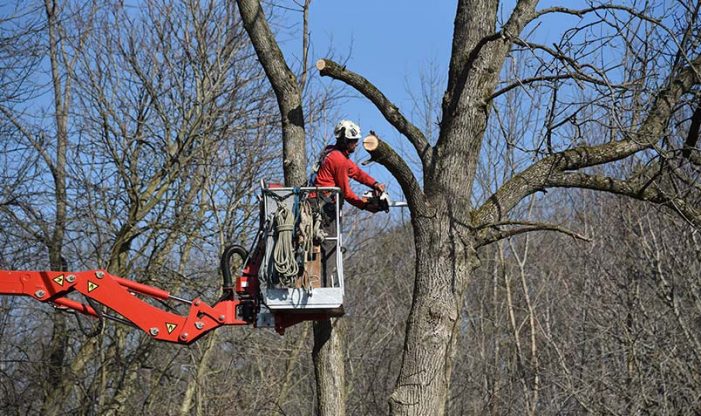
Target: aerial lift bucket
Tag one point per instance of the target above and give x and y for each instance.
(312, 292)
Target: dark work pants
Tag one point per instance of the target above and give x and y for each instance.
(328, 247)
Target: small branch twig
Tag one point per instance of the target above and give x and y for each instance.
(582, 12)
(491, 233)
(305, 44)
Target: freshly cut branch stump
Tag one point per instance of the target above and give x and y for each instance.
(371, 142)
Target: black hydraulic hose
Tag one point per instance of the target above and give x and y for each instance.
(100, 322)
(225, 264)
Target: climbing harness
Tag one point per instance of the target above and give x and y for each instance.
(315, 168)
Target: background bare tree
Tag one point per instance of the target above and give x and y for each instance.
(168, 132)
(47, 138)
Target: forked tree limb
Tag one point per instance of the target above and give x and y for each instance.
(280, 75)
(539, 175)
(329, 68)
(522, 15)
(478, 51)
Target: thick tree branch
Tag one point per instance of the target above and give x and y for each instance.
(478, 54)
(631, 188)
(483, 52)
(328, 68)
(522, 15)
(281, 77)
(383, 154)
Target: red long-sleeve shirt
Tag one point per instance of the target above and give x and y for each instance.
(335, 170)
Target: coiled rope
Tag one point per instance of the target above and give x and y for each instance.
(310, 231)
(284, 255)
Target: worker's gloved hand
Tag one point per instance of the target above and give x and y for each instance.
(379, 187)
(368, 205)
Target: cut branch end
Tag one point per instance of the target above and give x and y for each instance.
(371, 142)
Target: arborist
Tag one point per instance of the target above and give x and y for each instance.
(334, 169)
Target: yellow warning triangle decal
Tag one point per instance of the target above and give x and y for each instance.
(170, 327)
(58, 280)
(92, 286)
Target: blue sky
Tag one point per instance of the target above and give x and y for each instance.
(388, 42)
(391, 42)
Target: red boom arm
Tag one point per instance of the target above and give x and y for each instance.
(119, 295)
(241, 303)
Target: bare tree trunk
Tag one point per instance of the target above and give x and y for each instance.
(443, 267)
(58, 343)
(328, 343)
(329, 367)
(58, 169)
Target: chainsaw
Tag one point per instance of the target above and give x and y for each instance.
(382, 201)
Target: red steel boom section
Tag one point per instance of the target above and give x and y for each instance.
(119, 295)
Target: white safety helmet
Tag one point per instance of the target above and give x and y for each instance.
(346, 129)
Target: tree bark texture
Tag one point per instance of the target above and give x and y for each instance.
(444, 260)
